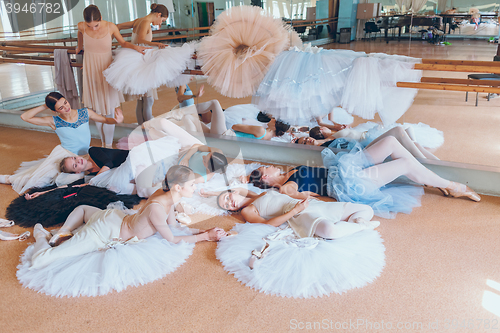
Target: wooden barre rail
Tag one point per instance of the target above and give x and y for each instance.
(461, 62)
(461, 81)
(420, 85)
(459, 68)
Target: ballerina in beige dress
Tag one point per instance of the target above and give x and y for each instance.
(97, 36)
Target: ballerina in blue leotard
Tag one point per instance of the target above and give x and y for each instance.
(362, 176)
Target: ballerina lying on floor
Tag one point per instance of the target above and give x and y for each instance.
(362, 176)
(127, 258)
(301, 261)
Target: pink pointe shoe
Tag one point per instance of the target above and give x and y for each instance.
(257, 255)
(458, 190)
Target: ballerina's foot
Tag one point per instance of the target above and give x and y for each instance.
(458, 190)
(367, 224)
(60, 237)
(4, 179)
(40, 232)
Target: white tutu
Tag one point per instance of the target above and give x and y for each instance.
(100, 272)
(163, 152)
(236, 113)
(304, 83)
(312, 269)
(43, 172)
(134, 73)
(371, 86)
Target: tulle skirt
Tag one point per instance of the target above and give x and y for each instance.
(43, 172)
(243, 42)
(348, 183)
(305, 83)
(162, 152)
(54, 207)
(134, 73)
(371, 86)
(305, 268)
(100, 272)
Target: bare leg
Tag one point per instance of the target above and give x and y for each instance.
(218, 125)
(402, 136)
(403, 164)
(78, 217)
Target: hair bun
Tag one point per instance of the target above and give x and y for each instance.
(153, 6)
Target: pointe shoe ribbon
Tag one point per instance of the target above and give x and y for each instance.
(458, 190)
(6, 223)
(8, 236)
(258, 255)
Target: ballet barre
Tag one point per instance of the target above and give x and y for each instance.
(453, 84)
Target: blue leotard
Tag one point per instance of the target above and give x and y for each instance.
(74, 137)
(312, 179)
(248, 135)
(187, 102)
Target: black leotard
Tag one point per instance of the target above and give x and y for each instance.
(313, 179)
(111, 158)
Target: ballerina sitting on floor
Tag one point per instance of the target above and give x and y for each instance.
(70, 125)
(105, 230)
(362, 176)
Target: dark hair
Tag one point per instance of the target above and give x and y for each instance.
(51, 100)
(263, 118)
(256, 180)
(91, 13)
(159, 8)
(281, 127)
(217, 163)
(315, 133)
(178, 174)
(62, 165)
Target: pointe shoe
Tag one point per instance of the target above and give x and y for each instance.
(60, 237)
(39, 231)
(368, 224)
(443, 190)
(458, 190)
(4, 179)
(257, 255)
(8, 236)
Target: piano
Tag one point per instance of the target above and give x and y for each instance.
(399, 21)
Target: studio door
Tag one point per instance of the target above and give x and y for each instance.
(205, 13)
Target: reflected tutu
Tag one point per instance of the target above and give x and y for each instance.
(243, 42)
(305, 83)
(134, 73)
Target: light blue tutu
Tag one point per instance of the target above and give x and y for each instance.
(347, 183)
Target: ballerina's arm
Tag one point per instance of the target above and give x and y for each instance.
(100, 119)
(291, 189)
(116, 33)
(142, 31)
(251, 214)
(126, 25)
(30, 117)
(160, 220)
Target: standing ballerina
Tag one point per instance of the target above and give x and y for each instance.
(97, 36)
(143, 35)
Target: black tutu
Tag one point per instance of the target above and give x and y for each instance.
(54, 207)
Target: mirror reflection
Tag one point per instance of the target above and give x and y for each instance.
(311, 21)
